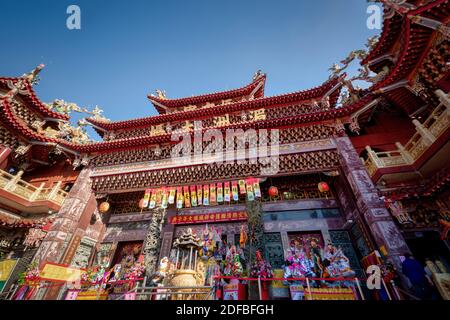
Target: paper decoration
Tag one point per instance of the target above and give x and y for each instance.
(219, 192)
(180, 197)
(199, 195)
(206, 195)
(193, 196)
(249, 188)
(234, 190)
(212, 193)
(242, 189)
(187, 197)
(226, 195)
(165, 198)
(152, 204)
(158, 197)
(146, 198)
(256, 188)
(172, 193)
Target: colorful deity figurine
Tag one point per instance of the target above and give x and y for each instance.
(233, 264)
(338, 265)
(315, 254)
(208, 242)
(298, 264)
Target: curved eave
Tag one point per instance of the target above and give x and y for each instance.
(416, 44)
(391, 30)
(16, 125)
(303, 119)
(230, 94)
(299, 96)
(32, 100)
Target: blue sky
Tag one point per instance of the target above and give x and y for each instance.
(127, 49)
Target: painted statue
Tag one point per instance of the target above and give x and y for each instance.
(315, 254)
(233, 264)
(298, 264)
(207, 242)
(338, 263)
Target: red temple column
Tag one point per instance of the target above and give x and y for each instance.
(373, 210)
(4, 155)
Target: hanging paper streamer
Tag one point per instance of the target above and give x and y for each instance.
(199, 195)
(234, 190)
(152, 204)
(242, 187)
(172, 195)
(180, 198)
(256, 188)
(187, 197)
(165, 198)
(206, 195)
(146, 198)
(250, 194)
(158, 197)
(226, 194)
(219, 192)
(212, 193)
(193, 196)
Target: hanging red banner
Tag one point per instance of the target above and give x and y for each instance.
(209, 218)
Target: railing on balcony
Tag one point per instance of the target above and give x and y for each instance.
(427, 133)
(29, 192)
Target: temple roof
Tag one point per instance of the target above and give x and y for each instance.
(307, 95)
(27, 94)
(415, 43)
(254, 89)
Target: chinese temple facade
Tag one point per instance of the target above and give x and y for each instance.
(365, 170)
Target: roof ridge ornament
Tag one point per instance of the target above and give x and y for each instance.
(258, 75)
(161, 94)
(401, 7)
(32, 76)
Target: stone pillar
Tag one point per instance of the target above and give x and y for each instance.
(152, 244)
(168, 234)
(64, 237)
(370, 207)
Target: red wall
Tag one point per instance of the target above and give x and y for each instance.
(387, 130)
(50, 175)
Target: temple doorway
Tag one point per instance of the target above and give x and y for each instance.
(127, 254)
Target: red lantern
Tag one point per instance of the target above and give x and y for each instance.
(104, 207)
(323, 187)
(141, 203)
(273, 192)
